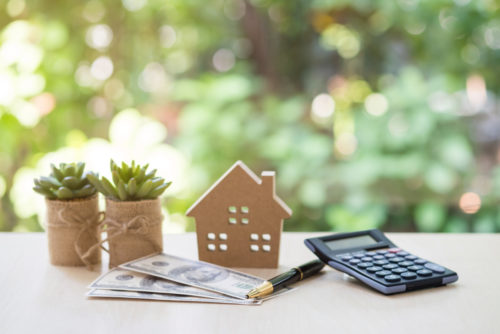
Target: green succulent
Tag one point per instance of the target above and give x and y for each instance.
(66, 182)
(130, 183)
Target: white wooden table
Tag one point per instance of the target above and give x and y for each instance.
(36, 297)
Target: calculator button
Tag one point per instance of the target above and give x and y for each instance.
(434, 267)
(378, 257)
(389, 255)
(382, 251)
(373, 269)
(380, 262)
(410, 257)
(346, 257)
(414, 268)
(408, 275)
(403, 253)
(354, 261)
(424, 272)
(359, 255)
(390, 266)
(366, 259)
(382, 273)
(394, 250)
(396, 259)
(420, 261)
(405, 263)
(392, 278)
(365, 265)
(399, 270)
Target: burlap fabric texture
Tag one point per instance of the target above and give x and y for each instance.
(133, 229)
(72, 230)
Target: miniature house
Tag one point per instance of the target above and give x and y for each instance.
(239, 220)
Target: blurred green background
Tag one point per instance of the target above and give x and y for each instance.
(373, 113)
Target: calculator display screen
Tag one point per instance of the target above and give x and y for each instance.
(363, 240)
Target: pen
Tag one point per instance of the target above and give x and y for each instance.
(293, 275)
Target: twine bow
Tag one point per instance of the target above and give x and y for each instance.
(69, 218)
(139, 225)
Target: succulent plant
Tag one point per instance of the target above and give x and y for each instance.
(130, 183)
(66, 182)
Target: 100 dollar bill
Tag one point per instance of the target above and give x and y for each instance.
(123, 279)
(196, 273)
(166, 297)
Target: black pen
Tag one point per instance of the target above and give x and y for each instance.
(293, 275)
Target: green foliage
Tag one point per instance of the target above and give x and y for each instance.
(130, 183)
(65, 183)
(415, 86)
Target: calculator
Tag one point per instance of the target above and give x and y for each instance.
(376, 261)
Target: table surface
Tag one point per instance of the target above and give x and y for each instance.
(37, 297)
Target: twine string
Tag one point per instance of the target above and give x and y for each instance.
(68, 218)
(140, 226)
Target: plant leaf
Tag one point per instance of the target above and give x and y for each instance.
(158, 190)
(80, 167)
(144, 189)
(45, 192)
(64, 193)
(132, 187)
(110, 189)
(122, 191)
(70, 182)
(56, 173)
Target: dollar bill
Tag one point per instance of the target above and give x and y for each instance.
(100, 293)
(123, 279)
(196, 273)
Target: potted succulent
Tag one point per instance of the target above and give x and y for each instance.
(133, 211)
(72, 215)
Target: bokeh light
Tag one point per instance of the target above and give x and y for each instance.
(168, 36)
(223, 60)
(470, 203)
(99, 36)
(101, 68)
(323, 106)
(346, 144)
(476, 92)
(376, 104)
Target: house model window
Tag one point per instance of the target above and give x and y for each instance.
(239, 220)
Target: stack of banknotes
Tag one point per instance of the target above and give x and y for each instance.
(172, 278)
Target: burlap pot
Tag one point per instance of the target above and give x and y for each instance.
(133, 229)
(72, 229)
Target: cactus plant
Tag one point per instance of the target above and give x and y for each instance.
(65, 183)
(130, 183)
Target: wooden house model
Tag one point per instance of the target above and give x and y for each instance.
(239, 220)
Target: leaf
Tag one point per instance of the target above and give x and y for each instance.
(122, 192)
(125, 171)
(94, 180)
(116, 177)
(45, 192)
(56, 172)
(86, 191)
(158, 190)
(50, 182)
(157, 181)
(151, 174)
(64, 193)
(80, 167)
(140, 176)
(110, 189)
(132, 187)
(70, 170)
(70, 182)
(144, 189)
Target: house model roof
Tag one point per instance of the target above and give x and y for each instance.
(240, 170)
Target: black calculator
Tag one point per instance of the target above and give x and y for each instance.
(375, 260)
